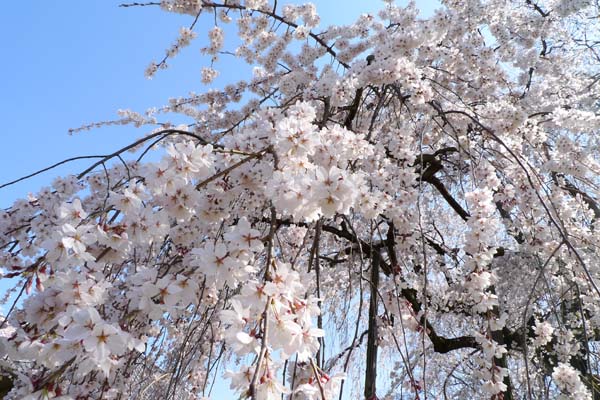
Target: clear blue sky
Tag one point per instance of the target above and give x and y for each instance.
(71, 62)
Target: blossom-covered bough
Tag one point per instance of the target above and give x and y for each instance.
(403, 207)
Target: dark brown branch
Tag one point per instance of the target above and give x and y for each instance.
(428, 175)
(537, 8)
(136, 4)
(371, 367)
(448, 197)
(165, 133)
(49, 168)
(353, 109)
(441, 344)
(591, 202)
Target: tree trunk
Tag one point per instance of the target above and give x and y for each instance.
(371, 367)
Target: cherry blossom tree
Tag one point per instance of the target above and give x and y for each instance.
(399, 208)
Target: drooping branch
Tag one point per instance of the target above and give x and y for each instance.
(328, 48)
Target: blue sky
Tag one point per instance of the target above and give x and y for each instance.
(72, 62)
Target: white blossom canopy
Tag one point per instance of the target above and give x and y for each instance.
(399, 208)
